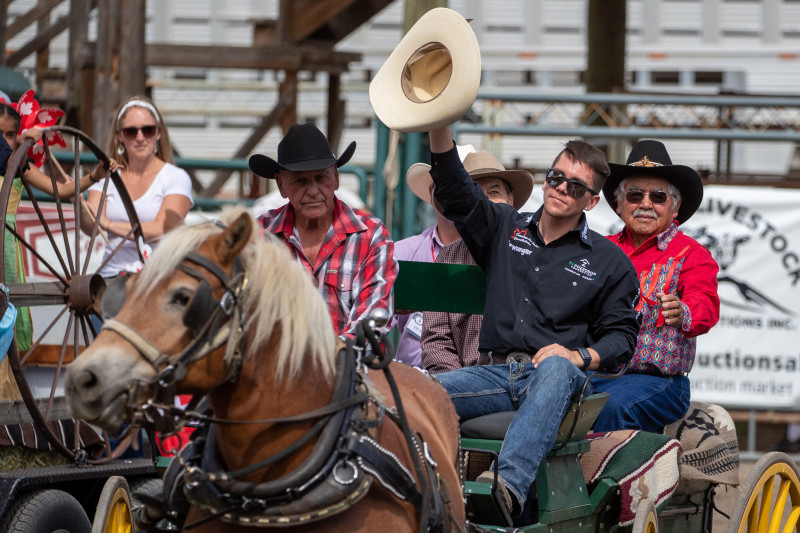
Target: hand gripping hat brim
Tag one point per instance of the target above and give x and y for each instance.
(431, 78)
(303, 148)
(650, 158)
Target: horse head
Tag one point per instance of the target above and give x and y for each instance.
(212, 295)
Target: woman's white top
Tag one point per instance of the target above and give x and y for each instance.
(170, 180)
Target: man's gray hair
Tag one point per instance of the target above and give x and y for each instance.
(673, 191)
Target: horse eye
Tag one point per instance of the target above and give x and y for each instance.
(181, 297)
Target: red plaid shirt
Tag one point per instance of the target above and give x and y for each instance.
(355, 268)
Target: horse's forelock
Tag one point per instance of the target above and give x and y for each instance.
(279, 293)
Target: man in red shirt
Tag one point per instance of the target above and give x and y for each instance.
(678, 283)
(348, 252)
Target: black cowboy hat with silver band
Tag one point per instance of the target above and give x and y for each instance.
(650, 158)
(303, 148)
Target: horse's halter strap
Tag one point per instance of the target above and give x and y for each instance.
(207, 335)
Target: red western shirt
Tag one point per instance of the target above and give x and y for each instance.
(672, 263)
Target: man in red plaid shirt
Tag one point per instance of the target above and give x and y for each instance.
(348, 252)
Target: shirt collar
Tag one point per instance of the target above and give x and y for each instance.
(582, 228)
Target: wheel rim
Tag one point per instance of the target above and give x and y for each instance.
(646, 520)
(75, 288)
(118, 517)
(113, 513)
(777, 493)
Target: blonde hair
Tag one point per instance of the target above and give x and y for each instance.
(142, 102)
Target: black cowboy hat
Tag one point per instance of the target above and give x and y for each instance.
(650, 158)
(303, 148)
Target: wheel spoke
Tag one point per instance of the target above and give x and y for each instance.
(36, 254)
(42, 336)
(780, 505)
(58, 366)
(96, 225)
(45, 226)
(766, 503)
(791, 521)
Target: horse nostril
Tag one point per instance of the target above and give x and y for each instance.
(86, 383)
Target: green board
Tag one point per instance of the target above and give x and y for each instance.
(440, 287)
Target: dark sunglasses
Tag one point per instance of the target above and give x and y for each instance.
(575, 188)
(131, 133)
(656, 197)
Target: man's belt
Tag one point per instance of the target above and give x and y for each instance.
(493, 358)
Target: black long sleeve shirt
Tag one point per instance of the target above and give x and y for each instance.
(577, 291)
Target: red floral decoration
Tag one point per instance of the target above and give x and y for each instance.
(32, 115)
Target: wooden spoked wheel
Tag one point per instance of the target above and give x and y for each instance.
(113, 512)
(74, 292)
(646, 520)
(769, 500)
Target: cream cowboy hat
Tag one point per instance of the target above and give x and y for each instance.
(478, 165)
(431, 78)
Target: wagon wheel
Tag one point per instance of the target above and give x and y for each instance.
(646, 520)
(113, 511)
(76, 289)
(769, 500)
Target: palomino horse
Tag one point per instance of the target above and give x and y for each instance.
(303, 433)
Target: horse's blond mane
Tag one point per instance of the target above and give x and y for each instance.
(279, 293)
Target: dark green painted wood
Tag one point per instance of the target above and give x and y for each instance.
(440, 287)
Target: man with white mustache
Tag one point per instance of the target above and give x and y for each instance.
(678, 284)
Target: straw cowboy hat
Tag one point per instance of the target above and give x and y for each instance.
(303, 148)
(478, 165)
(431, 78)
(650, 158)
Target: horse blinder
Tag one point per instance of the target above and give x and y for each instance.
(113, 297)
(200, 307)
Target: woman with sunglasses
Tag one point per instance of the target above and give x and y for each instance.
(140, 149)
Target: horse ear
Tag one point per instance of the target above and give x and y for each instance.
(235, 237)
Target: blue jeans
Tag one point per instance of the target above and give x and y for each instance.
(541, 397)
(641, 401)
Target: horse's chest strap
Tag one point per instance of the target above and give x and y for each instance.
(386, 467)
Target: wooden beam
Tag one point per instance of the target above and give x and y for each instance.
(106, 81)
(3, 30)
(131, 58)
(310, 15)
(39, 42)
(335, 112)
(266, 57)
(287, 98)
(43, 7)
(43, 54)
(78, 41)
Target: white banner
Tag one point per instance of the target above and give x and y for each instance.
(751, 358)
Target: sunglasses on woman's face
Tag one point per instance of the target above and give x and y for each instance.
(636, 196)
(131, 133)
(575, 188)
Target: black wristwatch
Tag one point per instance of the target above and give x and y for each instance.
(587, 357)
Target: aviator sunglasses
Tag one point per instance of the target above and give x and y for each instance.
(130, 133)
(636, 196)
(575, 188)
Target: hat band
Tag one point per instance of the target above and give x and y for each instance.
(644, 162)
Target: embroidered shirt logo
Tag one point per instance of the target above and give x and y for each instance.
(521, 235)
(581, 268)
